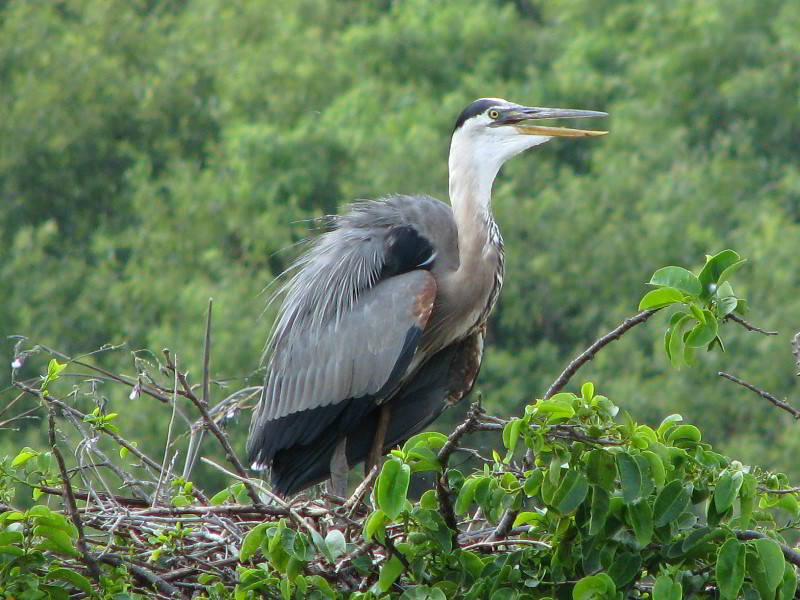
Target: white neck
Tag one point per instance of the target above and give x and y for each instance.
(470, 186)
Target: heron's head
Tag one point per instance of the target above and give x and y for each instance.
(491, 130)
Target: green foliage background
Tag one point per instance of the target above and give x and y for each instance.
(154, 154)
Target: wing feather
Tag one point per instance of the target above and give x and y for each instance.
(364, 354)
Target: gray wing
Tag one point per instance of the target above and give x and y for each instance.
(355, 344)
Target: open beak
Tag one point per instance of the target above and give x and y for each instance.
(516, 116)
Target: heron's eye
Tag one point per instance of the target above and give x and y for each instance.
(493, 113)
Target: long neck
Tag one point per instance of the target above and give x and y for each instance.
(471, 180)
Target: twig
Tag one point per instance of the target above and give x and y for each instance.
(766, 395)
(169, 433)
(503, 527)
(359, 492)
(207, 355)
(749, 326)
(443, 492)
(72, 506)
(791, 555)
(230, 455)
(109, 374)
(589, 353)
(509, 542)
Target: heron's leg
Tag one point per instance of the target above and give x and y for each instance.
(375, 453)
(339, 469)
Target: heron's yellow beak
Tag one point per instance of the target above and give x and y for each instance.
(557, 131)
(517, 115)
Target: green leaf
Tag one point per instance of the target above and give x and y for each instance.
(472, 563)
(667, 423)
(10, 537)
(373, 526)
(599, 509)
(390, 571)
(393, 487)
(727, 489)
(730, 568)
(591, 588)
(684, 435)
(23, 457)
(322, 585)
(76, 579)
(601, 469)
(727, 273)
(678, 278)
(532, 483)
(625, 568)
(642, 520)
(657, 470)
(220, 497)
(710, 276)
(788, 585)
(774, 563)
(666, 589)
(428, 439)
(726, 306)
(630, 477)
(670, 503)
(571, 493)
(252, 541)
(511, 434)
(466, 495)
(660, 298)
(676, 342)
(55, 539)
(704, 332)
(555, 409)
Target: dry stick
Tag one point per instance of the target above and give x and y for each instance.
(505, 524)
(197, 436)
(169, 433)
(749, 326)
(230, 455)
(72, 507)
(791, 555)
(442, 486)
(207, 355)
(766, 395)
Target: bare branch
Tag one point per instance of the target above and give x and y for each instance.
(748, 326)
(443, 492)
(211, 425)
(72, 507)
(766, 395)
(589, 353)
(169, 433)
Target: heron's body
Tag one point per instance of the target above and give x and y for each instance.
(387, 308)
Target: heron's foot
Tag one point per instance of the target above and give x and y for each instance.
(339, 470)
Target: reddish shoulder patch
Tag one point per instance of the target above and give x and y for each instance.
(423, 300)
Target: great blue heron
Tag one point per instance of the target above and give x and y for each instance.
(382, 324)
